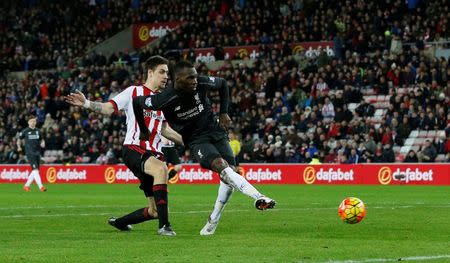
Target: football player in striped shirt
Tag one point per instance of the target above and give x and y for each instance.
(142, 150)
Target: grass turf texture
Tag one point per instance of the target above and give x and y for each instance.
(69, 224)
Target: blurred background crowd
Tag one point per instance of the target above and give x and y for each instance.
(381, 98)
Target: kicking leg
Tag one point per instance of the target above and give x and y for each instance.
(229, 176)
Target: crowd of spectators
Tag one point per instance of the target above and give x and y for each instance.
(284, 108)
(44, 34)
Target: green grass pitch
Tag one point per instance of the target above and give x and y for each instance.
(69, 224)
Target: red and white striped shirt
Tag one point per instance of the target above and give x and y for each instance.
(153, 119)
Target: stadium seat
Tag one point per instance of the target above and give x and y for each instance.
(440, 158)
(415, 148)
(432, 134)
(419, 141)
(404, 150)
(368, 92)
(399, 158)
(422, 134)
(414, 134)
(379, 112)
(396, 149)
(409, 142)
(401, 91)
(352, 106)
(371, 98)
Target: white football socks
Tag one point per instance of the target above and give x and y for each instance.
(37, 178)
(30, 179)
(240, 183)
(223, 196)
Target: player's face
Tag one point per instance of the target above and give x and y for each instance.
(32, 123)
(186, 80)
(159, 76)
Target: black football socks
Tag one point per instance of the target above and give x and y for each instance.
(160, 195)
(136, 217)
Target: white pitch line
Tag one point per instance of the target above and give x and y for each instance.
(385, 206)
(60, 206)
(202, 211)
(72, 206)
(416, 258)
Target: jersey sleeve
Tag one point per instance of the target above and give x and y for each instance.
(152, 102)
(121, 100)
(220, 84)
(21, 134)
(210, 82)
(157, 101)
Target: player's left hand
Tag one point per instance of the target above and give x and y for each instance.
(224, 120)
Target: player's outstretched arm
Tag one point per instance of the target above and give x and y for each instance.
(171, 134)
(78, 99)
(19, 144)
(224, 94)
(138, 108)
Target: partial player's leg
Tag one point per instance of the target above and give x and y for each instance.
(223, 195)
(158, 169)
(141, 215)
(132, 160)
(172, 159)
(34, 175)
(30, 180)
(228, 175)
(204, 153)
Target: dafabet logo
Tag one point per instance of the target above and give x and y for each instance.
(327, 175)
(143, 33)
(110, 175)
(309, 175)
(51, 175)
(385, 175)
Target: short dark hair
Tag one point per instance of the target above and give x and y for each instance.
(182, 64)
(154, 61)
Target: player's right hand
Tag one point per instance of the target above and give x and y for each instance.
(76, 99)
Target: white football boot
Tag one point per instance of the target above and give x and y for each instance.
(210, 227)
(264, 203)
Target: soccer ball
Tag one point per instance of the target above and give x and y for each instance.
(352, 210)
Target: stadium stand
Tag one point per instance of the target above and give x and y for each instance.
(377, 101)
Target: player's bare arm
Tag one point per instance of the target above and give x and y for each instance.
(172, 135)
(78, 99)
(224, 120)
(19, 145)
(224, 94)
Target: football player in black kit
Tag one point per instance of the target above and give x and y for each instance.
(188, 110)
(33, 142)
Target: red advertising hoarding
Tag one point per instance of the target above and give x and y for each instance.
(146, 33)
(372, 174)
(312, 49)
